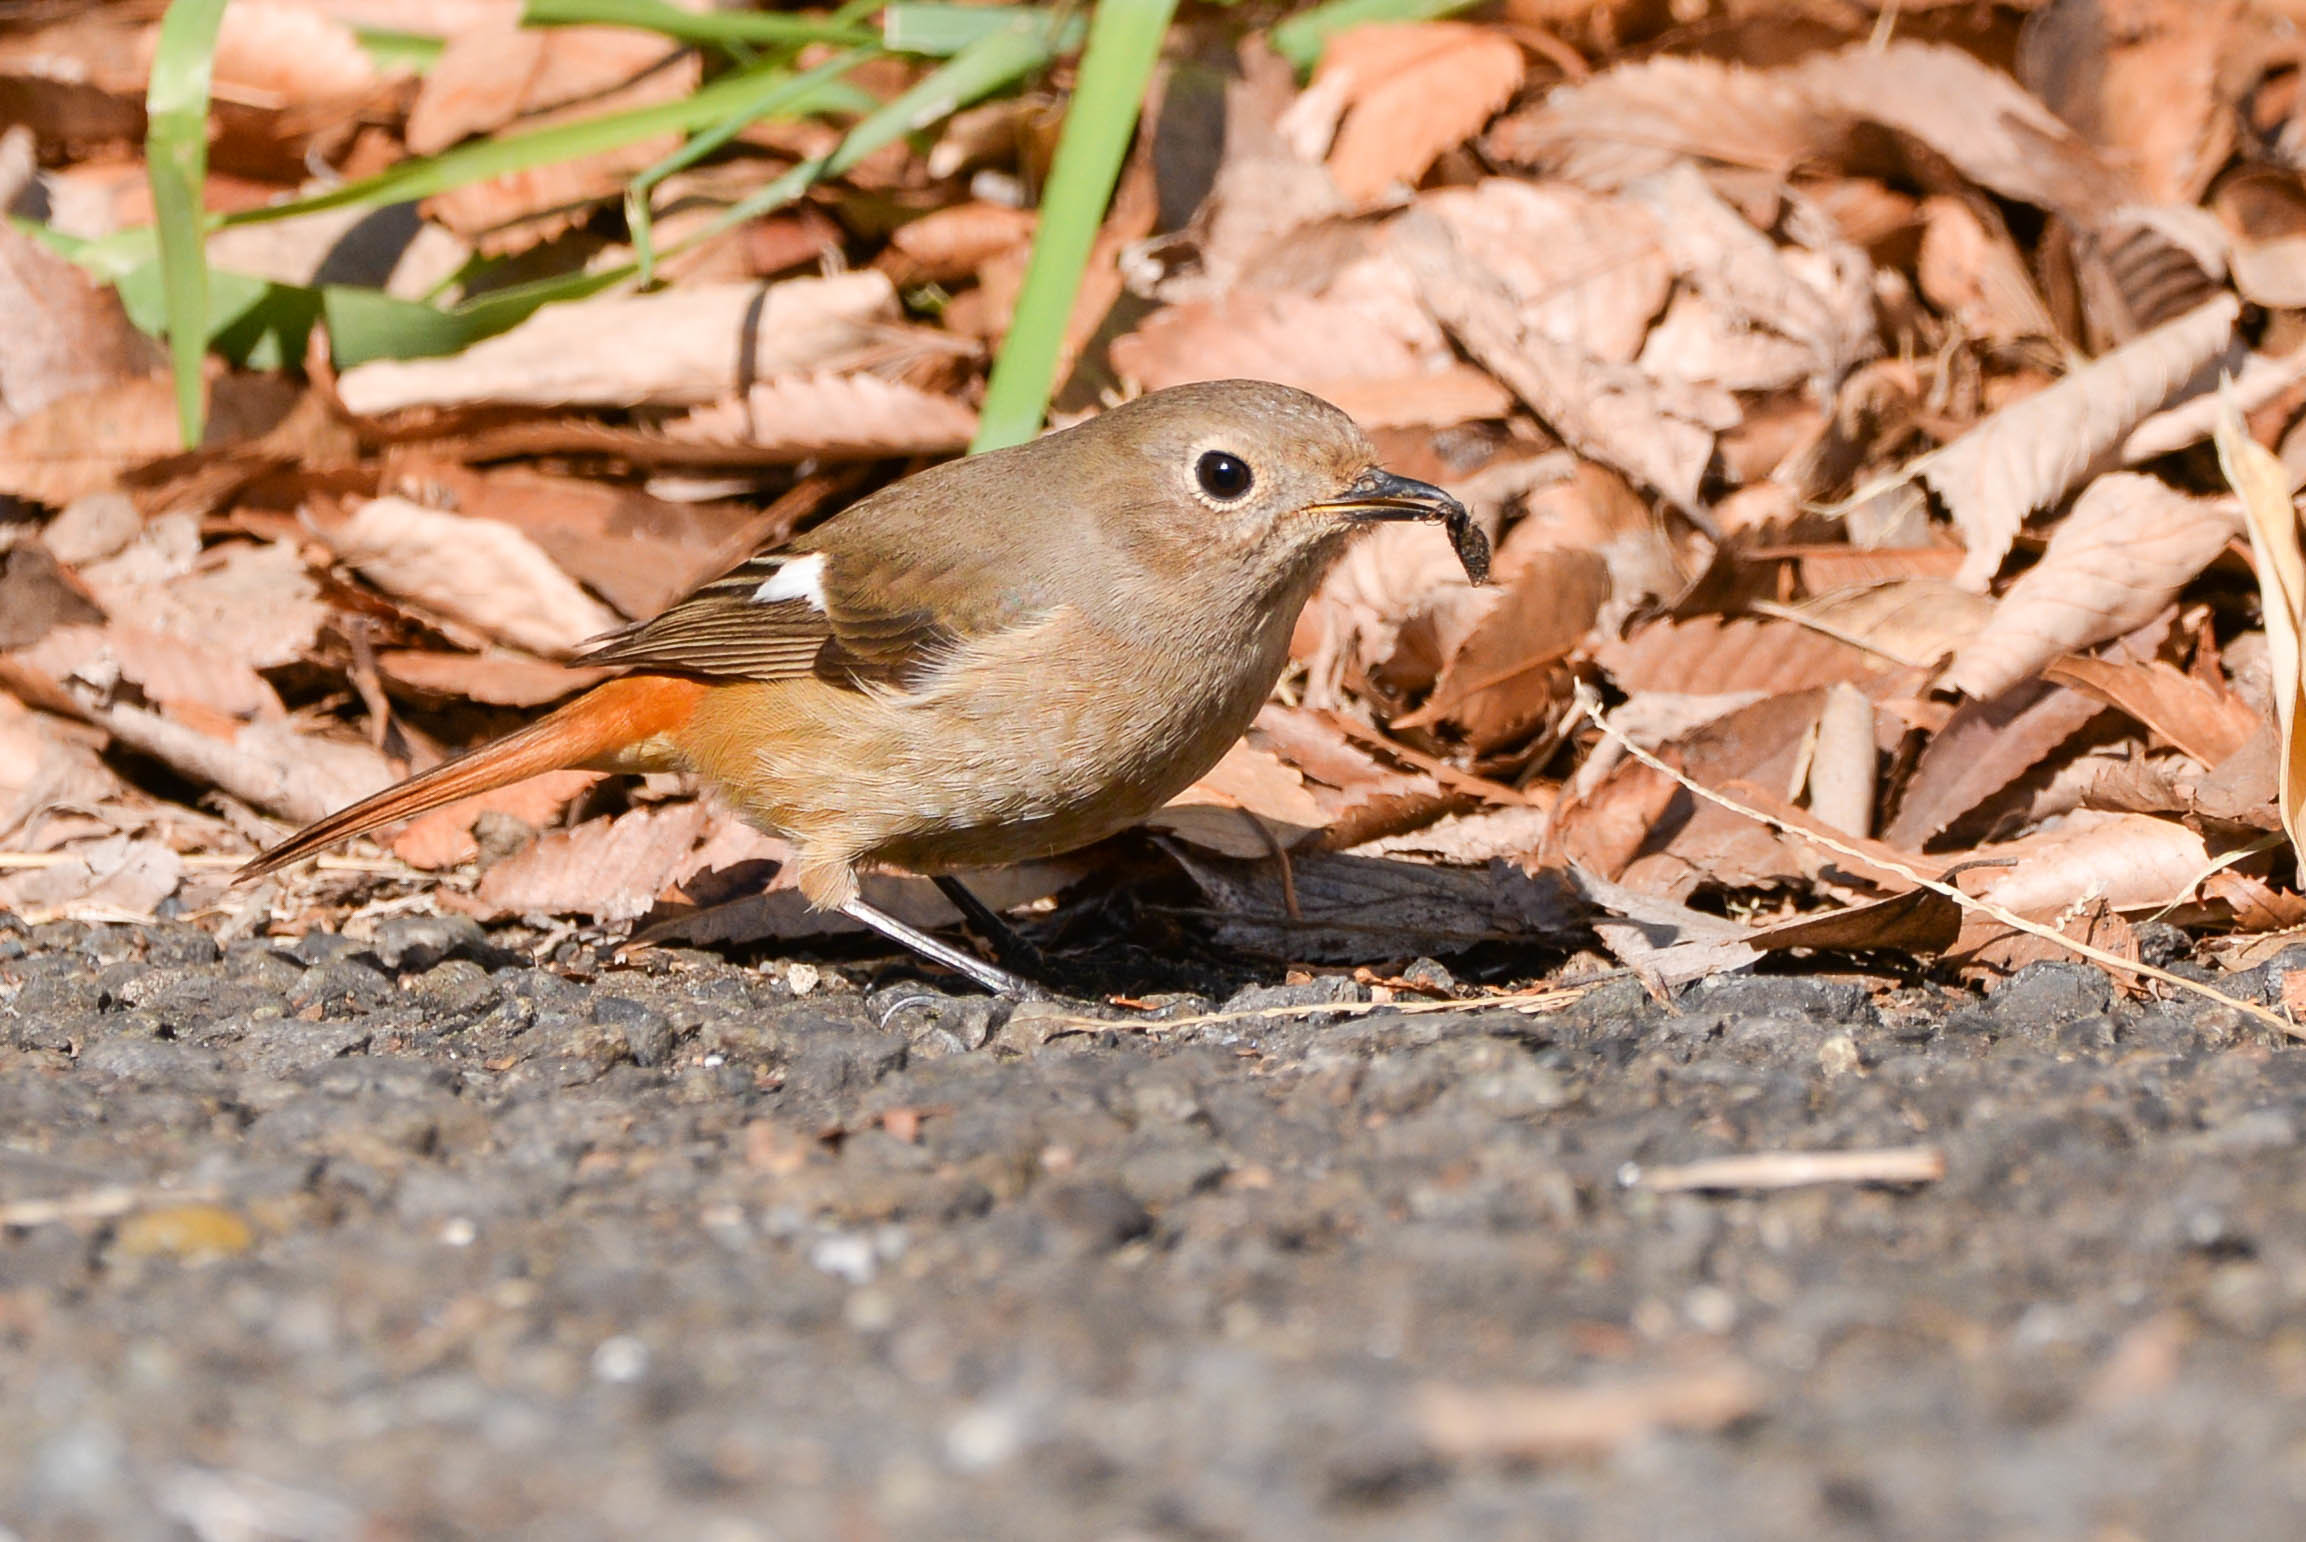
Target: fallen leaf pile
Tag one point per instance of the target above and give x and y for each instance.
(1838, 381)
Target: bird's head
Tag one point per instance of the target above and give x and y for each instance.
(1260, 479)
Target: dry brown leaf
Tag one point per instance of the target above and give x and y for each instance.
(2132, 862)
(1768, 745)
(1910, 621)
(2123, 553)
(1266, 334)
(444, 837)
(37, 595)
(252, 602)
(1586, 272)
(638, 552)
(1665, 944)
(1822, 301)
(275, 53)
(2253, 472)
(1352, 627)
(2189, 418)
(832, 417)
(2206, 723)
(1711, 655)
(1919, 921)
(1454, 394)
(1972, 114)
(68, 334)
(118, 874)
(1249, 805)
(1983, 748)
(954, 242)
(2030, 453)
(481, 572)
(1410, 93)
(267, 765)
(173, 671)
(1359, 908)
(2144, 80)
(1844, 762)
(612, 869)
(2265, 217)
(1638, 119)
(678, 347)
(487, 77)
(1504, 680)
(1970, 269)
(494, 679)
(1611, 414)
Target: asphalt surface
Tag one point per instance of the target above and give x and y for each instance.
(407, 1237)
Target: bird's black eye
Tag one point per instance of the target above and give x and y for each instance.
(1222, 475)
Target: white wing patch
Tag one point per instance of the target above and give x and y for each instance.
(803, 578)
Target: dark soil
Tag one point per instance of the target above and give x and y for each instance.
(408, 1238)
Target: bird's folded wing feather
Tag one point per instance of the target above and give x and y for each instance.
(852, 612)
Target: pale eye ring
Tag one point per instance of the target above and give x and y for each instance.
(1223, 475)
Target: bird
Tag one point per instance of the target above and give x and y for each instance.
(995, 659)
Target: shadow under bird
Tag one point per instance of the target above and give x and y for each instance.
(993, 660)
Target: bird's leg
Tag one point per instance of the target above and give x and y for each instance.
(1009, 945)
(999, 981)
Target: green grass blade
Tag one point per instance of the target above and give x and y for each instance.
(776, 93)
(994, 61)
(391, 49)
(1124, 43)
(940, 30)
(176, 156)
(744, 27)
(1301, 38)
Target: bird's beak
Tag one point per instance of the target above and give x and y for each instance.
(1378, 494)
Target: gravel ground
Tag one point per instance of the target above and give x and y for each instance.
(407, 1238)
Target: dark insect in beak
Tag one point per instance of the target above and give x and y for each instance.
(1379, 494)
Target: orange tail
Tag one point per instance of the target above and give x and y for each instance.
(594, 731)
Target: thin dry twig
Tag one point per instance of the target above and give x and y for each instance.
(1790, 1170)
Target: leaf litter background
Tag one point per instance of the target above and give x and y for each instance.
(1837, 381)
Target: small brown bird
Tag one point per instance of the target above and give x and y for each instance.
(996, 659)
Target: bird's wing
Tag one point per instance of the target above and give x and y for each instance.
(855, 612)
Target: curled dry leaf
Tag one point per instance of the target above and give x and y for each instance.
(832, 417)
(2131, 862)
(68, 334)
(1612, 414)
(1639, 119)
(1410, 93)
(678, 347)
(1911, 621)
(2030, 453)
(2264, 485)
(1969, 269)
(1753, 285)
(2143, 80)
(2123, 553)
(255, 603)
(1587, 272)
(274, 54)
(1984, 747)
(1352, 626)
(478, 571)
(2207, 723)
(173, 671)
(1713, 655)
(612, 868)
(954, 242)
(1504, 679)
